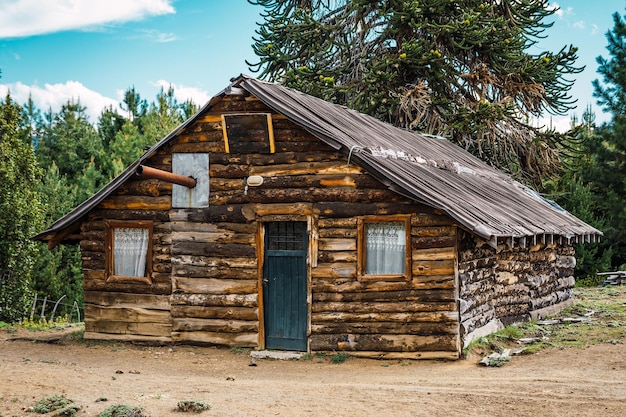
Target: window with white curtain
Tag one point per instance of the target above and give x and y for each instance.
(384, 248)
(129, 257)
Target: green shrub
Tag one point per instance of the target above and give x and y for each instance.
(122, 410)
(192, 405)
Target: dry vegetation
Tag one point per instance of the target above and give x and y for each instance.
(574, 365)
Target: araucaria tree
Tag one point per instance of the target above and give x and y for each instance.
(457, 68)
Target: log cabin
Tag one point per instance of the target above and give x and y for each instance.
(272, 219)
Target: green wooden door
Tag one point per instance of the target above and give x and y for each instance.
(285, 286)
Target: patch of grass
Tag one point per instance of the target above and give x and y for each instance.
(192, 405)
(339, 357)
(122, 410)
(239, 351)
(599, 317)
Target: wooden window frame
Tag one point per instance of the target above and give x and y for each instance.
(138, 224)
(362, 250)
(270, 128)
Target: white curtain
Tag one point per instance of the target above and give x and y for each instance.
(385, 245)
(130, 249)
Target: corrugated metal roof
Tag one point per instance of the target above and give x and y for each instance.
(425, 168)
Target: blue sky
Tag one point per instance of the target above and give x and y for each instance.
(94, 50)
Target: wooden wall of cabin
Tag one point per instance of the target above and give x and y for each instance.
(126, 310)
(513, 283)
(206, 258)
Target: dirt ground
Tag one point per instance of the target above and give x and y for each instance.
(569, 382)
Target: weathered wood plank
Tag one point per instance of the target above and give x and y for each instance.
(387, 328)
(131, 202)
(121, 328)
(381, 307)
(119, 299)
(193, 271)
(250, 340)
(389, 343)
(412, 317)
(213, 249)
(214, 325)
(421, 295)
(127, 314)
(211, 300)
(213, 312)
(214, 286)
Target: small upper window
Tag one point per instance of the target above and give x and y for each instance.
(248, 133)
(384, 248)
(129, 251)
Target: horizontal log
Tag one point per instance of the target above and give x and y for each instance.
(337, 244)
(431, 218)
(127, 314)
(387, 328)
(433, 242)
(211, 261)
(342, 223)
(382, 307)
(385, 343)
(222, 227)
(414, 317)
(149, 187)
(94, 335)
(214, 325)
(406, 355)
(212, 249)
(433, 254)
(299, 209)
(333, 256)
(250, 340)
(136, 329)
(213, 312)
(337, 232)
(322, 284)
(127, 287)
(306, 168)
(214, 286)
(119, 299)
(212, 300)
(334, 270)
(436, 295)
(297, 195)
(192, 271)
(433, 231)
(127, 202)
(279, 158)
(343, 209)
(445, 267)
(233, 213)
(154, 215)
(213, 237)
(198, 147)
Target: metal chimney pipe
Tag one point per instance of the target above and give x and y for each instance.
(148, 172)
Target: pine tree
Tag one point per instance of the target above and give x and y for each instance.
(20, 213)
(457, 68)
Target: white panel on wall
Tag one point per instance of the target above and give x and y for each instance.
(194, 165)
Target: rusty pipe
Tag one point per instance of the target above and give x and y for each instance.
(148, 172)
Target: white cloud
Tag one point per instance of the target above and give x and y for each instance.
(20, 18)
(555, 6)
(559, 123)
(183, 93)
(594, 29)
(579, 25)
(53, 96)
(157, 36)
